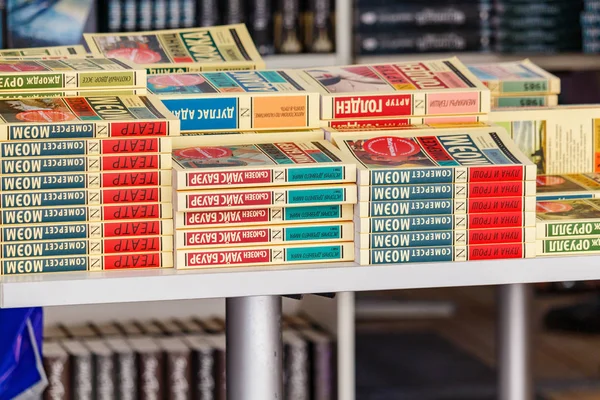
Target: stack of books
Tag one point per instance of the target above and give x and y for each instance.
(518, 84)
(85, 183)
(568, 227)
(175, 358)
(263, 204)
(441, 196)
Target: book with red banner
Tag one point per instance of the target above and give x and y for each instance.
(403, 89)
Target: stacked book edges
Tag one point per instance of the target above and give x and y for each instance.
(262, 204)
(85, 184)
(441, 196)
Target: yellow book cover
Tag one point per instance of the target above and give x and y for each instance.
(559, 140)
(73, 73)
(34, 52)
(403, 89)
(436, 156)
(216, 48)
(85, 117)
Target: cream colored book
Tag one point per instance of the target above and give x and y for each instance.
(455, 237)
(238, 100)
(74, 73)
(85, 117)
(436, 156)
(265, 216)
(190, 139)
(258, 197)
(74, 50)
(559, 140)
(266, 255)
(445, 253)
(263, 235)
(260, 165)
(418, 88)
(216, 48)
(516, 77)
(360, 124)
(542, 100)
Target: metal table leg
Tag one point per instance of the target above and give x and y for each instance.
(254, 349)
(513, 343)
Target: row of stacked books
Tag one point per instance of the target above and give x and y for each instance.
(86, 182)
(277, 26)
(505, 26)
(175, 359)
(590, 26)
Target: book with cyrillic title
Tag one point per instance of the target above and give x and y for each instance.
(269, 164)
(215, 48)
(238, 100)
(72, 73)
(516, 77)
(471, 155)
(418, 88)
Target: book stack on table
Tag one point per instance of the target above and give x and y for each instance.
(262, 204)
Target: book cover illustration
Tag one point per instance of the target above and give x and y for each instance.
(559, 140)
(238, 100)
(437, 87)
(71, 73)
(261, 164)
(217, 48)
(516, 77)
(477, 155)
(85, 117)
(561, 187)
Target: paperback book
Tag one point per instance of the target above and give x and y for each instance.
(438, 87)
(256, 197)
(238, 100)
(269, 164)
(447, 238)
(559, 140)
(216, 48)
(73, 73)
(275, 234)
(265, 255)
(563, 187)
(35, 52)
(424, 157)
(445, 253)
(85, 117)
(568, 218)
(516, 77)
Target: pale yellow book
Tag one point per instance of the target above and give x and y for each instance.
(74, 50)
(516, 77)
(238, 100)
(403, 89)
(261, 165)
(265, 255)
(264, 235)
(559, 140)
(361, 124)
(436, 156)
(189, 139)
(542, 100)
(217, 48)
